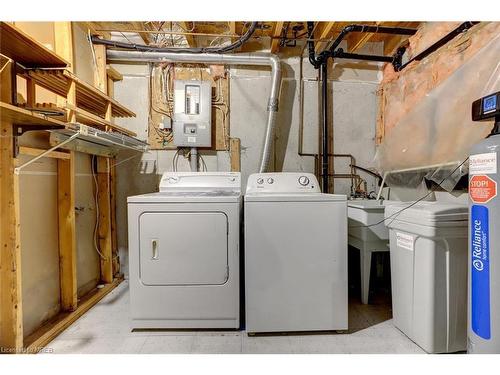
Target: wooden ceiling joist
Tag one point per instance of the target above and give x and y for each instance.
(232, 30)
(323, 31)
(146, 37)
(277, 30)
(190, 39)
(359, 40)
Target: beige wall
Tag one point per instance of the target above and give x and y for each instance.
(38, 195)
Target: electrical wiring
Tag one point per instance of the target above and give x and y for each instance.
(432, 190)
(204, 165)
(96, 200)
(141, 47)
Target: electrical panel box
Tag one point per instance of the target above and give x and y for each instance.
(192, 113)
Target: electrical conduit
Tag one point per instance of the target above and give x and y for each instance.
(252, 59)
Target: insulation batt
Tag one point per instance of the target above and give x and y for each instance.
(426, 110)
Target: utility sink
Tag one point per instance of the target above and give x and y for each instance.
(368, 239)
(364, 212)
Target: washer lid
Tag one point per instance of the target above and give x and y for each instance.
(295, 197)
(426, 213)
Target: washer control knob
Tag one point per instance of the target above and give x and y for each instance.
(304, 180)
(270, 180)
(173, 180)
(260, 180)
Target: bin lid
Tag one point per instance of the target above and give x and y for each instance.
(426, 213)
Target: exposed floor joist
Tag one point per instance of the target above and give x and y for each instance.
(275, 44)
(322, 32)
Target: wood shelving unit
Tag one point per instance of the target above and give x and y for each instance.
(21, 116)
(88, 97)
(25, 50)
(90, 119)
(83, 103)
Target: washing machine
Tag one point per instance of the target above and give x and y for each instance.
(295, 255)
(184, 252)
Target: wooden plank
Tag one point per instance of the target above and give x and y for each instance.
(63, 33)
(21, 116)
(41, 338)
(100, 74)
(93, 120)
(111, 88)
(323, 32)
(235, 154)
(232, 30)
(30, 93)
(84, 89)
(87, 96)
(32, 151)
(114, 237)
(358, 40)
(25, 50)
(91, 27)
(11, 318)
(114, 74)
(104, 227)
(190, 39)
(67, 232)
(146, 37)
(277, 30)
(63, 42)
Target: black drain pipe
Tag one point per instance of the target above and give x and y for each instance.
(321, 61)
(397, 63)
(324, 110)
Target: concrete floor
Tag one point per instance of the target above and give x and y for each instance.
(105, 330)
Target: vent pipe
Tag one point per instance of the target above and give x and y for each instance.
(252, 59)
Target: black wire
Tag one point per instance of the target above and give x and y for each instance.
(141, 47)
(433, 189)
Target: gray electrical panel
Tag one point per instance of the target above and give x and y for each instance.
(192, 113)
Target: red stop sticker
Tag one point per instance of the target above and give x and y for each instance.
(482, 189)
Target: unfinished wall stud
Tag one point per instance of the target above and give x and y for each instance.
(67, 235)
(104, 227)
(11, 319)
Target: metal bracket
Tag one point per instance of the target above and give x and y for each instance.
(17, 170)
(19, 130)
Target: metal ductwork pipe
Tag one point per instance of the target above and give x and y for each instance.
(258, 59)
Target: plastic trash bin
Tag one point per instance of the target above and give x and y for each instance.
(428, 249)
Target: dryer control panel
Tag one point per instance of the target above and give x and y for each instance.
(279, 183)
(201, 181)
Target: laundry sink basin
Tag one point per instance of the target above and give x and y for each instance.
(363, 213)
(368, 239)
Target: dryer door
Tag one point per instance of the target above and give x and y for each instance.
(183, 248)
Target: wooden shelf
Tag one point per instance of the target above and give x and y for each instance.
(21, 116)
(88, 97)
(90, 119)
(25, 50)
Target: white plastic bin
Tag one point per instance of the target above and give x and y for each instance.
(428, 247)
